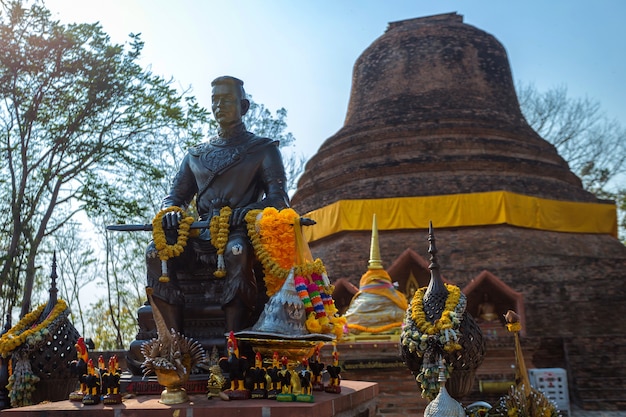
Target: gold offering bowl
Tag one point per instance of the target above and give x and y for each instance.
(174, 393)
(294, 349)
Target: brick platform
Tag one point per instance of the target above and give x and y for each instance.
(357, 399)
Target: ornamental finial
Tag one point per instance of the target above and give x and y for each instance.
(52, 299)
(53, 274)
(436, 293)
(375, 261)
(432, 249)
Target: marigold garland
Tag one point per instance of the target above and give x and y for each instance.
(24, 332)
(274, 244)
(219, 238)
(419, 334)
(514, 327)
(165, 250)
(445, 322)
(338, 323)
(272, 234)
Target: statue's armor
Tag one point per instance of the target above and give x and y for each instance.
(234, 172)
(239, 171)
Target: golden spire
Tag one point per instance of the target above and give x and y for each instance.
(375, 262)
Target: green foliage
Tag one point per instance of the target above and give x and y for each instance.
(80, 121)
(260, 121)
(102, 326)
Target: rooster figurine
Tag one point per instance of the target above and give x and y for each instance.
(78, 367)
(334, 371)
(92, 381)
(236, 366)
(273, 373)
(259, 377)
(317, 367)
(111, 383)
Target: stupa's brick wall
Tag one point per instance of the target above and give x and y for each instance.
(433, 111)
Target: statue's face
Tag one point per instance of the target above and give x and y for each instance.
(226, 104)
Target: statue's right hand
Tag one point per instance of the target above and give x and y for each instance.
(171, 219)
(170, 223)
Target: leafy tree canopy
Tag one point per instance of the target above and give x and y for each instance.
(79, 117)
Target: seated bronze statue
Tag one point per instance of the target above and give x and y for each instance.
(235, 171)
(487, 310)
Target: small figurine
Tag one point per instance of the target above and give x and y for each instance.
(305, 394)
(78, 367)
(273, 373)
(334, 370)
(92, 381)
(258, 374)
(111, 383)
(487, 310)
(102, 369)
(317, 367)
(236, 367)
(286, 381)
(216, 383)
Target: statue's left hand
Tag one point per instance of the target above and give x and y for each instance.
(238, 216)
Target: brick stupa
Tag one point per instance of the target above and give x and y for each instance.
(433, 112)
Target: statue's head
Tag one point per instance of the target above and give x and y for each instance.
(229, 101)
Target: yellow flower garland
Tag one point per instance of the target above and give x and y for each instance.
(272, 235)
(23, 332)
(419, 316)
(275, 246)
(165, 250)
(514, 327)
(219, 238)
(418, 333)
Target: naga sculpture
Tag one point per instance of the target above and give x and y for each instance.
(171, 356)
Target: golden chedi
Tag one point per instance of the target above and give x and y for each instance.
(378, 307)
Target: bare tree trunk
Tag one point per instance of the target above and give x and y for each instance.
(35, 243)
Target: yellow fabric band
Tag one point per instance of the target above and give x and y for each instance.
(457, 210)
(373, 282)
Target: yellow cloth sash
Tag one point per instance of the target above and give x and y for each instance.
(456, 210)
(378, 282)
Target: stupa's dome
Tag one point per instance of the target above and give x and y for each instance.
(433, 111)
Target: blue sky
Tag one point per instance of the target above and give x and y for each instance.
(299, 54)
